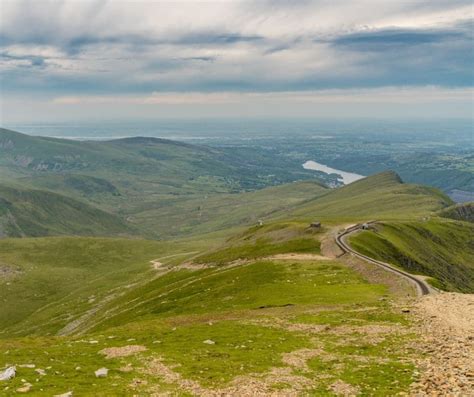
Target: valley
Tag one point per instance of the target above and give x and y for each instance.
(178, 270)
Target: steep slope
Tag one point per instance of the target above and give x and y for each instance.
(460, 212)
(31, 212)
(381, 196)
(440, 249)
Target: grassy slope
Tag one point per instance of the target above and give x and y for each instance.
(266, 240)
(460, 212)
(206, 213)
(152, 182)
(47, 281)
(245, 310)
(30, 212)
(441, 249)
(381, 196)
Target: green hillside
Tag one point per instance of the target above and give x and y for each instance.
(31, 212)
(443, 250)
(204, 213)
(238, 273)
(147, 165)
(266, 240)
(45, 282)
(206, 327)
(164, 188)
(381, 196)
(460, 212)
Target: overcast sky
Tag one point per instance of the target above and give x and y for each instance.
(70, 60)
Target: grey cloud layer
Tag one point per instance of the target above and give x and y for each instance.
(126, 47)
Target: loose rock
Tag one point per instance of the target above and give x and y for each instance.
(101, 373)
(25, 388)
(8, 373)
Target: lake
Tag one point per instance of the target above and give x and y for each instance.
(345, 177)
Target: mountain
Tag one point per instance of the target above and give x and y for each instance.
(240, 274)
(152, 182)
(381, 196)
(153, 164)
(31, 212)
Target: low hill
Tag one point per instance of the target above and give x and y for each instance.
(380, 196)
(440, 249)
(31, 212)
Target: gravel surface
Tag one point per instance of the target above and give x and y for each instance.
(447, 329)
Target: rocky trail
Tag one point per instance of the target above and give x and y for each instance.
(446, 324)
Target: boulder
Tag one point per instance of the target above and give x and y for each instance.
(101, 372)
(8, 373)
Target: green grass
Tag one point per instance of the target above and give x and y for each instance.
(172, 315)
(213, 212)
(152, 182)
(260, 285)
(238, 350)
(266, 240)
(181, 310)
(352, 317)
(381, 196)
(460, 212)
(440, 249)
(30, 212)
(52, 280)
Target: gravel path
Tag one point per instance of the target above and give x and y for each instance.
(447, 329)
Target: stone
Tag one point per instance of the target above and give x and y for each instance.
(67, 394)
(101, 372)
(25, 388)
(209, 342)
(8, 373)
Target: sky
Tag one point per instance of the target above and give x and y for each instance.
(98, 59)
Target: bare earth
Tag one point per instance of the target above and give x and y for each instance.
(447, 328)
(123, 351)
(299, 257)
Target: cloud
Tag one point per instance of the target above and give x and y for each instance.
(387, 95)
(114, 48)
(395, 38)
